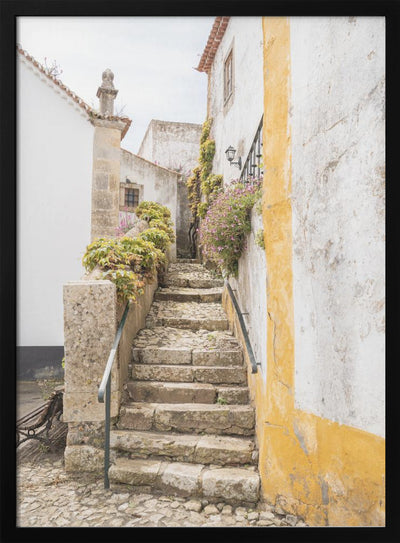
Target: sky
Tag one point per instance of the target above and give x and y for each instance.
(152, 58)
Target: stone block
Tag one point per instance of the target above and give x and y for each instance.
(178, 447)
(155, 355)
(223, 450)
(100, 181)
(162, 373)
(83, 458)
(217, 358)
(103, 199)
(171, 392)
(84, 406)
(89, 329)
(233, 485)
(181, 479)
(136, 472)
(137, 417)
(217, 375)
(211, 419)
(234, 395)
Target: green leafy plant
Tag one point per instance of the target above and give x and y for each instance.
(194, 193)
(259, 238)
(158, 216)
(132, 262)
(202, 182)
(221, 401)
(159, 237)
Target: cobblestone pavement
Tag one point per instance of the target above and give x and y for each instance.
(50, 497)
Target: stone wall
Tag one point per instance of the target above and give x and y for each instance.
(92, 314)
(251, 292)
(175, 146)
(338, 194)
(106, 178)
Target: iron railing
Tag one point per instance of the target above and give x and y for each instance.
(105, 390)
(253, 166)
(239, 313)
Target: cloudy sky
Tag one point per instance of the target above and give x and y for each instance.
(153, 60)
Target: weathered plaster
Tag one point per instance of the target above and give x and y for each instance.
(236, 123)
(329, 473)
(338, 165)
(175, 146)
(251, 293)
(159, 183)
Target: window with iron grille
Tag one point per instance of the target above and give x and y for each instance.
(228, 76)
(131, 197)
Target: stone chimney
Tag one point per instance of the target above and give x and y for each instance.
(106, 93)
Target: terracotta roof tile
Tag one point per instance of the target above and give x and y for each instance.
(214, 39)
(92, 113)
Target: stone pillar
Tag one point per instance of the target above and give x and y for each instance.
(106, 163)
(90, 324)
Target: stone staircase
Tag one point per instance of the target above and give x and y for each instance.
(186, 427)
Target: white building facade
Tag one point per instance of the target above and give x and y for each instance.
(54, 171)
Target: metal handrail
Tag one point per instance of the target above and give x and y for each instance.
(249, 349)
(105, 390)
(253, 161)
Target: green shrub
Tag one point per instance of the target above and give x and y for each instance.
(159, 237)
(131, 262)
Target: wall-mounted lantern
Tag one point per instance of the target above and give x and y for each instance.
(230, 155)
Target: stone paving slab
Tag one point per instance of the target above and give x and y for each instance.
(207, 449)
(189, 315)
(47, 496)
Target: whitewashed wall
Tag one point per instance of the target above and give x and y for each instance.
(338, 135)
(251, 293)
(54, 173)
(237, 123)
(172, 144)
(159, 184)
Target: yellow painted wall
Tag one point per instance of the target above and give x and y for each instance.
(327, 473)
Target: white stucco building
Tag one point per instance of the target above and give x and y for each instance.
(54, 170)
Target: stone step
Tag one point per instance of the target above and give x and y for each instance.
(181, 294)
(207, 449)
(189, 315)
(187, 261)
(231, 485)
(217, 375)
(197, 357)
(191, 275)
(161, 392)
(187, 417)
(165, 345)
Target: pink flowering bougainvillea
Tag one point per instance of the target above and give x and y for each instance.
(226, 224)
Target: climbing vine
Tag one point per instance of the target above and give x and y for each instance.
(202, 182)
